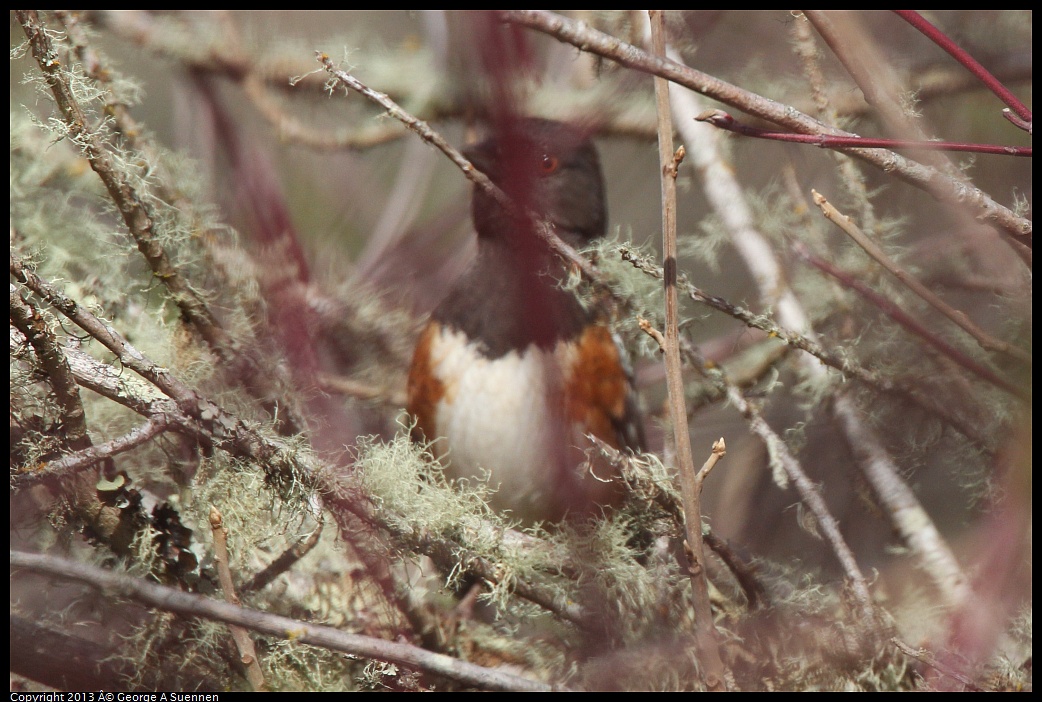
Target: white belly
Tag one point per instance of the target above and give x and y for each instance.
(492, 424)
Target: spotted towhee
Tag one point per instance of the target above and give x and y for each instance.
(512, 372)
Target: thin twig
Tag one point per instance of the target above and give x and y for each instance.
(718, 452)
(362, 390)
(647, 328)
(286, 560)
(85, 458)
(171, 600)
(805, 48)
(715, 675)
(848, 227)
(850, 175)
(921, 654)
(27, 319)
(752, 586)
(243, 642)
(723, 120)
(910, 323)
(256, 86)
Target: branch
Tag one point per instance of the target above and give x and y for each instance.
(872, 249)
(809, 493)
(911, 324)
(844, 364)
(168, 599)
(227, 59)
(570, 256)
(805, 47)
(921, 654)
(229, 431)
(286, 560)
(903, 509)
(127, 390)
(202, 417)
(140, 213)
(714, 674)
(728, 201)
(642, 485)
(959, 54)
(85, 458)
(721, 119)
(810, 496)
(28, 320)
(939, 185)
(243, 642)
(449, 554)
(58, 659)
(873, 73)
(137, 212)
(79, 490)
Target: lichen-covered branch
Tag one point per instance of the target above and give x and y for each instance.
(190, 605)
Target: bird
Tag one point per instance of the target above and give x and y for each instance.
(511, 372)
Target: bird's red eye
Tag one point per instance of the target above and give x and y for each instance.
(548, 164)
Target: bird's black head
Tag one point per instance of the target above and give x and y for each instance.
(549, 167)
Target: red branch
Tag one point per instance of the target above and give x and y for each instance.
(972, 65)
(721, 119)
(909, 323)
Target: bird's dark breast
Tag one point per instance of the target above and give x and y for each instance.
(506, 307)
